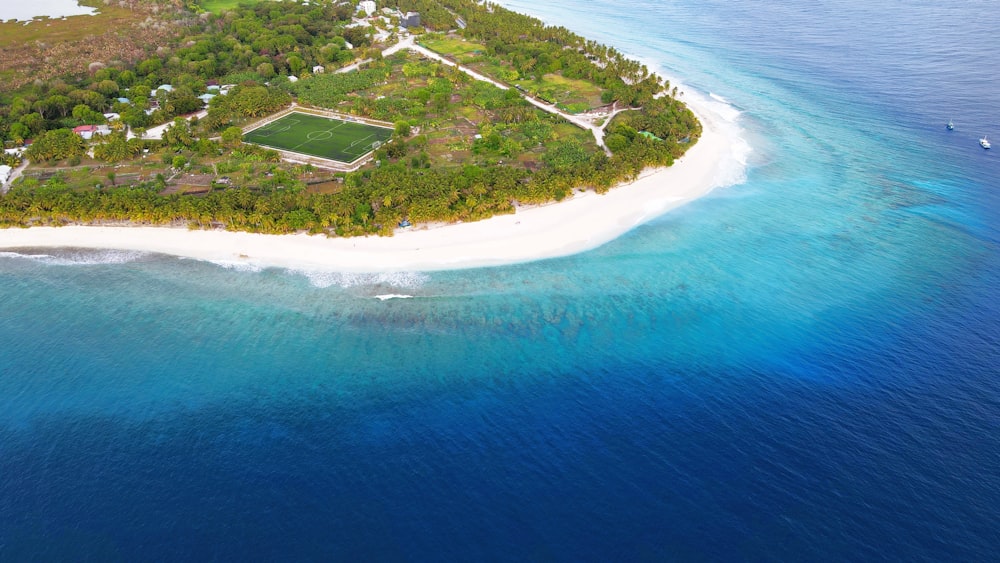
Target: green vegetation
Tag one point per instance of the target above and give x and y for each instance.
(433, 14)
(327, 90)
(526, 49)
(245, 101)
(570, 94)
(57, 144)
(461, 150)
(460, 49)
(323, 137)
(219, 6)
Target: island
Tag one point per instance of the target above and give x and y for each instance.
(415, 135)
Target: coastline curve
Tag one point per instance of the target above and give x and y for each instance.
(580, 223)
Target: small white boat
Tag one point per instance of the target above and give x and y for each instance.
(984, 142)
(951, 126)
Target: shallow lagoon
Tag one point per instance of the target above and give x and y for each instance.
(28, 11)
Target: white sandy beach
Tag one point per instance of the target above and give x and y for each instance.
(583, 222)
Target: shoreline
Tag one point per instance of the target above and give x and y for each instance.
(577, 224)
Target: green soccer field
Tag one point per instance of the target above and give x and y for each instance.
(323, 137)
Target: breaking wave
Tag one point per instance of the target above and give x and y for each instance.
(79, 257)
(387, 280)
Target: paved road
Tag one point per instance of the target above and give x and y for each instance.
(582, 122)
(157, 132)
(14, 175)
(597, 131)
(398, 46)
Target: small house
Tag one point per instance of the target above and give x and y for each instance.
(123, 101)
(165, 87)
(86, 131)
(4, 173)
(367, 6)
(410, 19)
(319, 69)
(205, 98)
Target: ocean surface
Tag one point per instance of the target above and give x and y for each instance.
(25, 12)
(803, 365)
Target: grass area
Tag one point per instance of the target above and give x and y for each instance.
(219, 6)
(73, 28)
(323, 137)
(470, 54)
(454, 46)
(570, 94)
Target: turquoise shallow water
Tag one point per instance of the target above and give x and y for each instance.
(801, 365)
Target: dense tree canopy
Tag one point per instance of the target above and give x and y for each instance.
(58, 144)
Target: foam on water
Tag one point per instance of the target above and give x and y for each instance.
(80, 257)
(394, 280)
(239, 265)
(732, 169)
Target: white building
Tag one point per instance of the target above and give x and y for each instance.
(88, 132)
(4, 173)
(367, 6)
(410, 19)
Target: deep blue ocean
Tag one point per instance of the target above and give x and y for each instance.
(804, 365)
